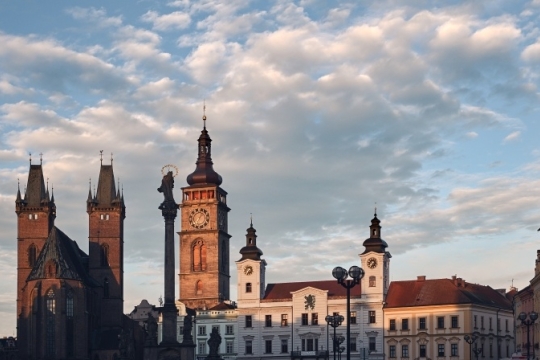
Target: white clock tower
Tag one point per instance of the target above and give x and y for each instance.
(376, 264)
(251, 270)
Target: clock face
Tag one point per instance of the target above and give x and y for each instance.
(199, 218)
(248, 270)
(372, 263)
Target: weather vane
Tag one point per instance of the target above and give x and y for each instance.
(204, 113)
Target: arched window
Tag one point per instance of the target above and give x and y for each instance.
(198, 287)
(50, 325)
(104, 255)
(198, 254)
(51, 268)
(372, 281)
(32, 251)
(248, 287)
(69, 304)
(106, 288)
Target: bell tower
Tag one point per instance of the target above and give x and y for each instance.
(376, 263)
(251, 270)
(204, 240)
(35, 219)
(106, 214)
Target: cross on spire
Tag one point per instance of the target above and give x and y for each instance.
(40, 158)
(30, 155)
(204, 114)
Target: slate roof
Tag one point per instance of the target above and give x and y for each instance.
(282, 291)
(70, 259)
(106, 191)
(35, 189)
(443, 292)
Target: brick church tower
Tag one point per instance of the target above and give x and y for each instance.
(35, 219)
(106, 214)
(204, 241)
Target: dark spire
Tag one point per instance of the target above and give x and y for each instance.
(251, 251)
(106, 189)
(89, 199)
(19, 199)
(52, 194)
(36, 193)
(204, 172)
(375, 242)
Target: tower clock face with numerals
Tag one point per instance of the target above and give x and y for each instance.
(199, 218)
(372, 263)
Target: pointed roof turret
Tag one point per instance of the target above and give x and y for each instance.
(89, 199)
(251, 251)
(36, 193)
(374, 242)
(204, 172)
(19, 200)
(106, 189)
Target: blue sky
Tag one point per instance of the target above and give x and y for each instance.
(318, 111)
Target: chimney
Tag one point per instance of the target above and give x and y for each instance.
(421, 278)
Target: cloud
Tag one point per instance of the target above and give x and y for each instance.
(471, 135)
(512, 136)
(174, 20)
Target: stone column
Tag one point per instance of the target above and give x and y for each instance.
(169, 209)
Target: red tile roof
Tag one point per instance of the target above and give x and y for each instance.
(442, 292)
(282, 291)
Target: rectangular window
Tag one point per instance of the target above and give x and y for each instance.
(404, 324)
(202, 330)
(229, 347)
(455, 323)
(202, 347)
(440, 350)
(303, 344)
(268, 320)
(475, 322)
(392, 324)
(490, 350)
(248, 322)
(284, 346)
(404, 351)
(304, 319)
(248, 287)
(249, 347)
(422, 323)
(422, 351)
(498, 325)
(440, 322)
(392, 351)
(506, 324)
(314, 319)
(372, 344)
(482, 322)
(353, 317)
(454, 350)
(268, 346)
(229, 329)
(284, 320)
(372, 319)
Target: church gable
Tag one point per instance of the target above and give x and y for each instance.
(60, 258)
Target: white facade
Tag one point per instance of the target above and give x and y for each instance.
(288, 319)
(226, 321)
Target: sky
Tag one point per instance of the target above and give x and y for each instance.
(319, 111)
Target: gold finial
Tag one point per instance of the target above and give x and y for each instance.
(101, 156)
(40, 158)
(30, 155)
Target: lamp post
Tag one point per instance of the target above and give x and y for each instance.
(355, 273)
(340, 348)
(477, 351)
(470, 340)
(334, 321)
(528, 322)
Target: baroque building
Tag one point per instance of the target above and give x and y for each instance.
(286, 320)
(69, 303)
(429, 319)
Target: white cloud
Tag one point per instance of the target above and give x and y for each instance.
(174, 20)
(512, 136)
(471, 135)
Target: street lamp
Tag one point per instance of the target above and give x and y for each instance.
(528, 322)
(477, 351)
(355, 273)
(334, 321)
(337, 345)
(470, 340)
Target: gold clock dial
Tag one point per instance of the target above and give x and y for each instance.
(248, 270)
(199, 218)
(372, 263)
